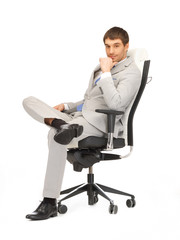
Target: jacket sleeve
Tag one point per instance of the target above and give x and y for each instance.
(118, 98)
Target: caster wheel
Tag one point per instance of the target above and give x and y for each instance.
(113, 209)
(131, 203)
(62, 209)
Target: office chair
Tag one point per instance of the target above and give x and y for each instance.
(94, 149)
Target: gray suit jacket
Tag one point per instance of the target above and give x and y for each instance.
(115, 92)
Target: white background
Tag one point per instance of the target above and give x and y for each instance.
(48, 49)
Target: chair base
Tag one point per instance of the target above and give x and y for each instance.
(93, 189)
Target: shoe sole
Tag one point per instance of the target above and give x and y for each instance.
(66, 136)
(31, 217)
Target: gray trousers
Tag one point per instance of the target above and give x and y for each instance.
(57, 153)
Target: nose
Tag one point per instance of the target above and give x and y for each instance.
(111, 50)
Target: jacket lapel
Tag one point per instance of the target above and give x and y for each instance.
(91, 82)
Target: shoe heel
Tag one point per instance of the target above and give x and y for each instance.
(54, 215)
(79, 130)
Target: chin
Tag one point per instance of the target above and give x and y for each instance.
(114, 60)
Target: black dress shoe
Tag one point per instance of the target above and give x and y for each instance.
(67, 132)
(44, 211)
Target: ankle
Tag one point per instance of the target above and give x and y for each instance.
(57, 123)
(48, 121)
(52, 201)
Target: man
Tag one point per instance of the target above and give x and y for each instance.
(113, 84)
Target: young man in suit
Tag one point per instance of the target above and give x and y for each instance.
(112, 85)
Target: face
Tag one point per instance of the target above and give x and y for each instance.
(115, 49)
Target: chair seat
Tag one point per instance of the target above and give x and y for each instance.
(93, 142)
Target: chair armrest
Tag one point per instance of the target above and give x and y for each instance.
(111, 116)
(105, 111)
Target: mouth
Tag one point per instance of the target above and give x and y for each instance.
(112, 57)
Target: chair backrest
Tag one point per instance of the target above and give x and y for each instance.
(140, 57)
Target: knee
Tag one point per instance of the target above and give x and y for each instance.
(27, 101)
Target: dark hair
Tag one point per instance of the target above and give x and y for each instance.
(116, 32)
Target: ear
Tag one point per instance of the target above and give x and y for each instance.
(126, 47)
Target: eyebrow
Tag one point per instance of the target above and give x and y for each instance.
(113, 43)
